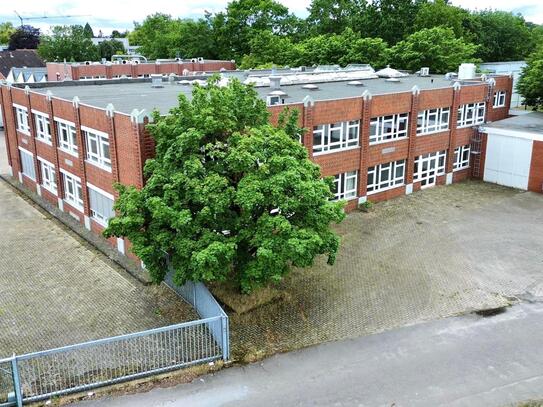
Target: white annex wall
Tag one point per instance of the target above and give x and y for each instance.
(508, 161)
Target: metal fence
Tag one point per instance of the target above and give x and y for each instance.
(41, 375)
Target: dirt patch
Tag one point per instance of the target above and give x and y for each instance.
(230, 296)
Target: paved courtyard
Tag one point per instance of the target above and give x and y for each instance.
(440, 252)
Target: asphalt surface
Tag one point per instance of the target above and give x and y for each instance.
(462, 361)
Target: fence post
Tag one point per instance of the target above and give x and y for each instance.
(225, 342)
(16, 381)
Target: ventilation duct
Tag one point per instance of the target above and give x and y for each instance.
(156, 81)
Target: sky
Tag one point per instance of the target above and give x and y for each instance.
(120, 14)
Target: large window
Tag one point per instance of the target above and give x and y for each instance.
(428, 167)
(471, 114)
(97, 148)
(67, 140)
(101, 205)
(73, 193)
(345, 185)
(21, 116)
(499, 98)
(48, 176)
(386, 128)
(335, 136)
(385, 176)
(43, 127)
(433, 120)
(27, 163)
(461, 157)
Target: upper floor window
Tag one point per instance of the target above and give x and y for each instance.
(67, 139)
(43, 127)
(21, 115)
(335, 136)
(386, 128)
(73, 194)
(433, 120)
(385, 176)
(101, 205)
(345, 185)
(470, 114)
(48, 176)
(461, 157)
(499, 98)
(97, 148)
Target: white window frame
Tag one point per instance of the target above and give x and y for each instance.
(98, 217)
(349, 136)
(21, 118)
(442, 117)
(499, 98)
(48, 176)
(471, 114)
(341, 183)
(461, 157)
(428, 168)
(68, 145)
(101, 141)
(43, 127)
(379, 183)
(387, 128)
(33, 168)
(74, 199)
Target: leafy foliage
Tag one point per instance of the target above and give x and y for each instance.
(24, 37)
(6, 30)
(530, 84)
(228, 195)
(87, 31)
(108, 48)
(67, 42)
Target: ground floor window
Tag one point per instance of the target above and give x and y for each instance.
(461, 157)
(345, 185)
(73, 193)
(48, 177)
(27, 163)
(385, 176)
(428, 167)
(101, 205)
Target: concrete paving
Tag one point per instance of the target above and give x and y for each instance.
(466, 361)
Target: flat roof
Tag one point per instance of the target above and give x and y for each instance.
(527, 123)
(129, 94)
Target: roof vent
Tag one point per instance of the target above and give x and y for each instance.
(156, 81)
(310, 86)
(425, 71)
(355, 83)
(392, 80)
(184, 82)
(275, 82)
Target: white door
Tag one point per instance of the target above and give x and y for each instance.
(508, 160)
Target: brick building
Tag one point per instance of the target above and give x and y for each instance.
(380, 138)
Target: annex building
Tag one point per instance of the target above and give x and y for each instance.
(381, 135)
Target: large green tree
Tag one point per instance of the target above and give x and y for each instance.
(437, 48)
(228, 196)
(334, 16)
(67, 42)
(6, 29)
(391, 20)
(439, 13)
(108, 48)
(24, 37)
(530, 84)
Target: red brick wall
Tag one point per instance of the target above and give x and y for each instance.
(535, 182)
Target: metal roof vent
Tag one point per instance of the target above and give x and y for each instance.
(156, 81)
(275, 82)
(355, 83)
(392, 80)
(425, 71)
(310, 86)
(184, 82)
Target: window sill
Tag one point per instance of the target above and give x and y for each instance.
(98, 165)
(335, 151)
(433, 132)
(49, 143)
(75, 206)
(25, 132)
(99, 222)
(376, 143)
(29, 177)
(385, 189)
(469, 125)
(54, 192)
(461, 168)
(76, 155)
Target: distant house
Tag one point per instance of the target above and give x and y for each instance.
(27, 75)
(507, 67)
(130, 49)
(21, 58)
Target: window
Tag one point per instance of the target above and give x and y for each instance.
(275, 100)
(461, 157)
(27, 163)
(499, 98)
(345, 185)
(43, 127)
(101, 205)
(97, 148)
(470, 114)
(66, 137)
(386, 176)
(433, 120)
(335, 136)
(21, 115)
(48, 178)
(72, 190)
(386, 128)
(428, 167)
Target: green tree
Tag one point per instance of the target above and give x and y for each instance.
(67, 42)
(267, 49)
(157, 36)
(391, 20)
(530, 83)
(334, 16)
(436, 48)
(87, 31)
(228, 196)
(118, 34)
(6, 29)
(108, 48)
(373, 51)
(439, 13)
(24, 37)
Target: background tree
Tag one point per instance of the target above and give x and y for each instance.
(67, 42)
(87, 31)
(333, 16)
(436, 48)
(118, 34)
(6, 29)
(530, 84)
(24, 37)
(268, 49)
(439, 13)
(108, 48)
(392, 20)
(228, 196)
